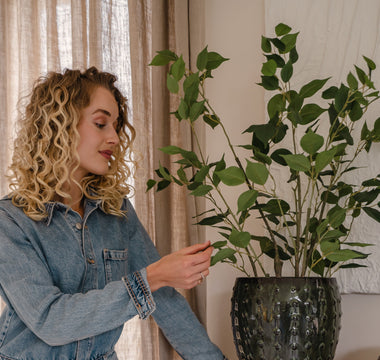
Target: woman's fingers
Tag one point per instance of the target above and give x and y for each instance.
(181, 269)
(194, 249)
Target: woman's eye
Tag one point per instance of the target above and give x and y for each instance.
(100, 126)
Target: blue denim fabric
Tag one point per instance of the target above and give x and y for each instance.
(71, 283)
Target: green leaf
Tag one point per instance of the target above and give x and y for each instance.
(163, 184)
(172, 84)
(247, 199)
(356, 112)
(322, 226)
(329, 246)
(310, 112)
(182, 175)
(373, 213)
(282, 29)
(329, 197)
(196, 110)
(269, 68)
(261, 157)
(332, 235)
(267, 248)
(191, 88)
(341, 98)
(220, 165)
(276, 207)
(371, 182)
(150, 183)
(287, 71)
(178, 69)
(358, 244)
(370, 63)
(352, 266)
(201, 173)
(171, 150)
(361, 75)
(183, 109)
(265, 44)
(311, 142)
(376, 127)
(324, 158)
(240, 238)
(312, 87)
(319, 266)
(351, 81)
(214, 60)
(345, 255)
(211, 220)
(275, 105)
(257, 173)
(164, 173)
(344, 190)
(269, 82)
(293, 55)
(297, 162)
(201, 190)
(277, 58)
(163, 58)
(336, 216)
(211, 120)
(231, 176)
(277, 156)
(263, 132)
(330, 93)
(367, 196)
(295, 101)
(202, 59)
(222, 255)
(219, 244)
(192, 157)
(278, 44)
(289, 41)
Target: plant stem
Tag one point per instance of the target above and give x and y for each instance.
(278, 264)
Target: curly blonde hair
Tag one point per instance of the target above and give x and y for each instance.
(45, 153)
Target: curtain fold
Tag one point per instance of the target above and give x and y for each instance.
(157, 25)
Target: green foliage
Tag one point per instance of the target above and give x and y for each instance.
(309, 134)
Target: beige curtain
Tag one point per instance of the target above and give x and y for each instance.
(158, 25)
(49, 35)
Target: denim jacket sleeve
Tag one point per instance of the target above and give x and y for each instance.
(173, 314)
(56, 317)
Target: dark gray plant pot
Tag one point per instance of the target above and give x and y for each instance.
(286, 318)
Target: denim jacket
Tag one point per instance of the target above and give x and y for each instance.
(69, 285)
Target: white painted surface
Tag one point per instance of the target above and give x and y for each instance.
(234, 28)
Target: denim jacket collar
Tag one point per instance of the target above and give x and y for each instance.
(52, 206)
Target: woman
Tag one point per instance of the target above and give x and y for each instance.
(75, 262)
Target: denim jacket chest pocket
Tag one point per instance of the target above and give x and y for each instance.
(115, 264)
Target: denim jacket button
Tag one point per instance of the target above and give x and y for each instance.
(78, 226)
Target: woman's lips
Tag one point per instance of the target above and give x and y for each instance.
(106, 153)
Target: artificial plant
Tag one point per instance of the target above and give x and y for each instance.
(309, 133)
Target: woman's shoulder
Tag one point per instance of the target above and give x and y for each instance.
(6, 204)
(9, 211)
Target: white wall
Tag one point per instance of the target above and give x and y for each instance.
(234, 28)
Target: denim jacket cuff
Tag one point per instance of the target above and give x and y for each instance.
(139, 291)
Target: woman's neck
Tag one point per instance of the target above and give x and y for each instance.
(77, 200)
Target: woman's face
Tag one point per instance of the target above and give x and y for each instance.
(98, 136)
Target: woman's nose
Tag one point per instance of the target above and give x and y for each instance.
(113, 137)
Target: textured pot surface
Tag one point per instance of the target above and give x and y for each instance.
(286, 318)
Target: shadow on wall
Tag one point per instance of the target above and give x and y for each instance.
(362, 354)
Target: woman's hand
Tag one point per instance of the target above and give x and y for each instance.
(181, 269)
